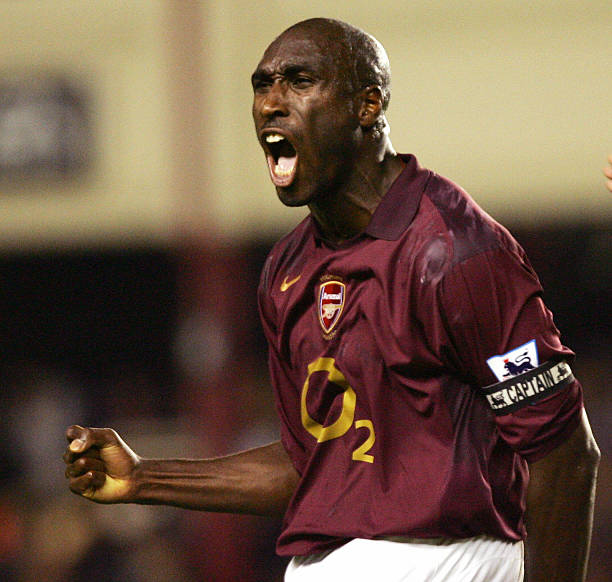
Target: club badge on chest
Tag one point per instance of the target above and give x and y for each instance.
(332, 295)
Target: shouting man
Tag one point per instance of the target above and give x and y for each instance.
(431, 426)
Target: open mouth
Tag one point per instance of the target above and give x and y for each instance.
(282, 159)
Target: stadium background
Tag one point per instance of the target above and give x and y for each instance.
(136, 211)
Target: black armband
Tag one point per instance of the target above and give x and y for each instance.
(525, 389)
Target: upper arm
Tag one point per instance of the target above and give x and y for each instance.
(499, 331)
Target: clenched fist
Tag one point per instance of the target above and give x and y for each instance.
(100, 466)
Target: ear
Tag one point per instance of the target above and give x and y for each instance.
(371, 107)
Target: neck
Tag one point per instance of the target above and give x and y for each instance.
(345, 213)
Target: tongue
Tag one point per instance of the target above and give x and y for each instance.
(282, 170)
(285, 164)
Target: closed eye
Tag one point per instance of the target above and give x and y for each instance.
(260, 81)
(261, 85)
(302, 82)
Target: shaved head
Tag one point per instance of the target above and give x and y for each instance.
(360, 59)
(320, 92)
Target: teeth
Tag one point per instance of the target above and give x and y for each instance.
(274, 138)
(282, 171)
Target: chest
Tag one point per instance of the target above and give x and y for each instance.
(352, 306)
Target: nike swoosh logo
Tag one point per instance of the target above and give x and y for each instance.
(286, 284)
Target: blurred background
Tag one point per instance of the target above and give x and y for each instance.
(136, 212)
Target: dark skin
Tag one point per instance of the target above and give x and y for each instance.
(101, 467)
(342, 169)
(560, 501)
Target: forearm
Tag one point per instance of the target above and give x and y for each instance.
(259, 482)
(560, 505)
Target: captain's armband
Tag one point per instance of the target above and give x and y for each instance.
(527, 388)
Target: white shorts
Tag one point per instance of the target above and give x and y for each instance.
(480, 559)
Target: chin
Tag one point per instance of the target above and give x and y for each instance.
(291, 198)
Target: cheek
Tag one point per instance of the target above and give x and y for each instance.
(329, 134)
(338, 143)
(330, 129)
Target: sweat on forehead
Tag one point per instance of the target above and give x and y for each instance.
(351, 49)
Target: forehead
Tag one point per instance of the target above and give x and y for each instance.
(300, 49)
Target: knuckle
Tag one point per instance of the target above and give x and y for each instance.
(109, 434)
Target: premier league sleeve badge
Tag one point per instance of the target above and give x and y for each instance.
(515, 362)
(523, 380)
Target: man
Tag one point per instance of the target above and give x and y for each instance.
(429, 415)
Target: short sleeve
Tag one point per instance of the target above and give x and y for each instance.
(501, 337)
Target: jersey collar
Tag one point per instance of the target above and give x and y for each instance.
(399, 205)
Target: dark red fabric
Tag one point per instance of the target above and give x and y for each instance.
(432, 289)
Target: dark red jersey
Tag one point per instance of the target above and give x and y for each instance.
(416, 370)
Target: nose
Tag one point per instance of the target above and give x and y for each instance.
(274, 101)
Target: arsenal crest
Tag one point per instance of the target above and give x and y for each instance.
(331, 303)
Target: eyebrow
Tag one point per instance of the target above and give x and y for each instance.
(288, 70)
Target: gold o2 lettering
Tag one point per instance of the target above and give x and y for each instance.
(345, 420)
(360, 454)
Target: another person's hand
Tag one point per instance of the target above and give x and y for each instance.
(608, 172)
(100, 466)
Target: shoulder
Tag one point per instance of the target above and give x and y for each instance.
(468, 229)
(452, 235)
